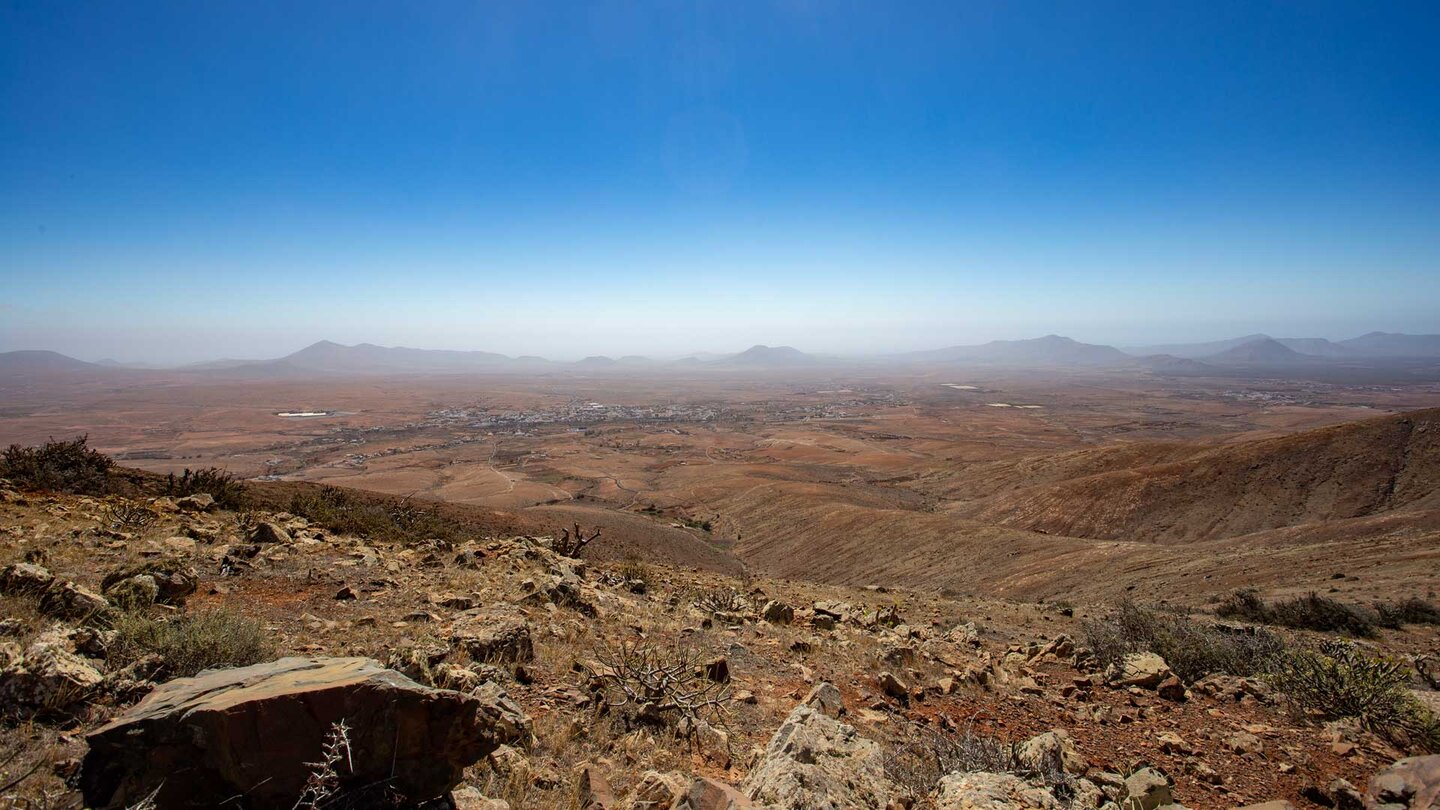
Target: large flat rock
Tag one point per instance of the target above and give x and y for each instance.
(251, 731)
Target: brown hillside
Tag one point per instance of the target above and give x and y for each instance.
(1365, 468)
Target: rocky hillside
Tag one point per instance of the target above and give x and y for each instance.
(1362, 469)
(163, 650)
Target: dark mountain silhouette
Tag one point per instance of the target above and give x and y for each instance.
(1195, 351)
(761, 356)
(328, 357)
(597, 361)
(1391, 344)
(1263, 351)
(35, 361)
(1315, 347)
(1051, 350)
(1170, 364)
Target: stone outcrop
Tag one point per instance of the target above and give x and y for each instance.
(826, 699)
(47, 677)
(815, 762)
(777, 612)
(1053, 749)
(493, 640)
(1146, 789)
(250, 731)
(710, 794)
(992, 791)
(1409, 784)
(172, 580)
(1144, 669)
(66, 600)
(268, 532)
(24, 579)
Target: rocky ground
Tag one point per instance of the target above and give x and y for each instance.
(562, 683)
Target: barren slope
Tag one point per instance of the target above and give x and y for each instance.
(1367, 468)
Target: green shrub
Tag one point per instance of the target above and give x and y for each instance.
(227, 490)
(1309, 612)
(59, 467)
(1192, 649)
(395, 520)
(1342, 680)
(189, 642)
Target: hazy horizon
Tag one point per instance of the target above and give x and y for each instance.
(194, 182)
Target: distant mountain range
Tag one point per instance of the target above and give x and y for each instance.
(1251, 354)
(1374, 344)
(1045, 351)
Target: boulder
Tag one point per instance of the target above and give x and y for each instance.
(992, 791)
(199, 502)
(23, 579)
(777, 612)
(173, 579)
(826, 699)
(658, 791)
(1171, 689)
(592, 790)
(250, 731)
(66, 600)
(1146, 789)
(892, 685)
(834, 610)
(1053, 749)
(710, 794)
(1412, 783)
(46, 678)
(1243, 742)
(815, 762)
(1145, 670)
(267, 532)
(717, 669)
(493, 640)
(137, 592)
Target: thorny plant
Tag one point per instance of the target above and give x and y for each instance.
(722, 600)
(570, 545)
(129, 517)
(325, 781)
(661, 684)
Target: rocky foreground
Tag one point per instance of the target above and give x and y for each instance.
(160, 651)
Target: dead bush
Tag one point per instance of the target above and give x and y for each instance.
(722, 600)
(920, 756)
(58, 467)
(634, 570)
(1309, 612)
(660, 684)
(189, 642)
(227, 490)
(570, 545)
(1340, 679)
(1407, 611)
(1192, 649)
(129, 517)
(392, 520)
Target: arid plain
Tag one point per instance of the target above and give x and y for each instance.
(1022, 484)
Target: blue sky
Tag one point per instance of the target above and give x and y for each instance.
(182, 181)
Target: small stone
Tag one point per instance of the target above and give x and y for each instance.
(891, 685)
(199, 502)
